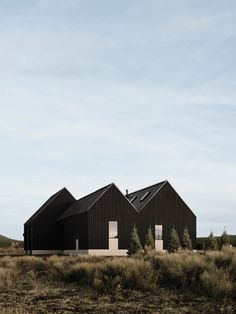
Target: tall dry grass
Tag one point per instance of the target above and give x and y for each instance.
(213, 274)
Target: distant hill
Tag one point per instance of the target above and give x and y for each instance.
(6, 242)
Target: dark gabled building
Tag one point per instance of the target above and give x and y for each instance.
(160, 207)
(42, 231)
(101, 223)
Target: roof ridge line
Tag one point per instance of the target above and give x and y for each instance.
(108, 187)
(38, 212)
(146, 187)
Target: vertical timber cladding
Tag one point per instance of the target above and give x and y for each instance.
(25, 238)
(112, 206)
(44, 229)
(28, 238)
(168, 209)
(76, 227)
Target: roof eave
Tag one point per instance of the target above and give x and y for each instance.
(35, 215)
(86, 210)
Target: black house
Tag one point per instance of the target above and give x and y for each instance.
(101, 223)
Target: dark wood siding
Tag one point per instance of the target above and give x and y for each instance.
(75, 227)
(112, 206)
(166, 208)
(43, 233)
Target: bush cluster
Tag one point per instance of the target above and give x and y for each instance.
(175, 243)
(212, 274)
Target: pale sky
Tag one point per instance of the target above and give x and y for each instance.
(131, 92)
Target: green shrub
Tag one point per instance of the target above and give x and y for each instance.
(211, 242)
(135, 244)
(174, 243)
(149, 240)
(186, 240)
(224, 239)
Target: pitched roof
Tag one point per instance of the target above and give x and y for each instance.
(41, 209)
(84, 203)
(141, 197)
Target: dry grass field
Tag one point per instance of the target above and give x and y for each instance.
(11, 251)
(183, 282)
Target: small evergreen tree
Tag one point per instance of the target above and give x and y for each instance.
(149, 241)
(174, 241)
(186, 240)
(224, 239)
(211, 243)
(135, 244)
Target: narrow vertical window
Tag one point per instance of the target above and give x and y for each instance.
(158, 232)
(77, 244)
(113, 229)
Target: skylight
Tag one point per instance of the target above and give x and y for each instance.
(133, 199)
(144, 196)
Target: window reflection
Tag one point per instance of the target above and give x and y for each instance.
(158, 232)
(113, 229)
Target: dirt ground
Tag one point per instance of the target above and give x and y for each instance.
(71, 298)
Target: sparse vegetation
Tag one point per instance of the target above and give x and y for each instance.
(202, 240)
(135, 245)
(174, 244)
(211, 242)
(149, 241)
(148, 282)
(186, 241)
(224, 239)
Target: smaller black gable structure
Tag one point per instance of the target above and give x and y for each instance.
(101, 223)
(42, 231)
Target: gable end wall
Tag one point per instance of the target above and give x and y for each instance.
(45, 231)
(112, 206)
(167, 208)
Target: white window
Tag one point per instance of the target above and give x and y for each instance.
(113, 229)
(158, 232)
